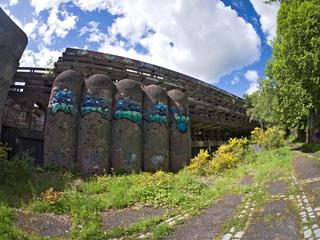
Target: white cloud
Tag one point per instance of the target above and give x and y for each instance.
(13, 2)
(30, 28)
(204, 38)
(58, 24)
(268, 17)
(235, 80)
(253, 78)
(40, 5)
(94, 33)
(44, 57)
(91, 5)
(85, 5)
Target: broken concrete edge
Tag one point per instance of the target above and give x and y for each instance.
(13, 42)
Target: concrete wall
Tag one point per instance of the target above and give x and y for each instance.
(127, 127)
(180, 131)
(12, 44)
(61, 127)
(104, 126)
(95, 124)
(155, 129)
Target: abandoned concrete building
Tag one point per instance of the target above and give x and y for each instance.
(95, 111)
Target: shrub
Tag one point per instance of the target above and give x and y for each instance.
(16, 169)
(230, 155)
(199, 164)
(236, 151)
(271, 138)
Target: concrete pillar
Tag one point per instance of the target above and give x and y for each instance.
(13, 41)
(155, 129)
(126, 127)
(95, 124)
(61, 128)
(180, 131)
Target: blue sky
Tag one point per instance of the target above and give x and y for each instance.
(223, 42)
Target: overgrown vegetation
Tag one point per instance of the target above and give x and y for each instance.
(186, 192)
(13, 170)
(236, 152)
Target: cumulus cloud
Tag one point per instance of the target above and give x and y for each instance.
(13, 2)
(40, 5)
(85, 5)
(235, 80)
(92, 29)
(268, 17)
(44, 57)
(204, 39)
(58, 24)
(253, 78)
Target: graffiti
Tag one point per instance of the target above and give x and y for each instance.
(129, 110)
(181, 118)
(62, 100)
(130, 158)
(94, 104)
(157, 161)
(157, 113)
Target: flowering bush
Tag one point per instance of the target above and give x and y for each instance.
(230, 155)
(270, 138)
(199, 164)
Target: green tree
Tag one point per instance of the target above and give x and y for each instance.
(295, 64)
(262, 105)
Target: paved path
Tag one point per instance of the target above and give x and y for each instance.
(290, 211)
(208, 224)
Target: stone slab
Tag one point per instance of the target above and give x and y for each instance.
(206, 226)
(276, 221)
(124, 218)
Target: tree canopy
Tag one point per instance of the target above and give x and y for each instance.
(295, 64)
(262, 105)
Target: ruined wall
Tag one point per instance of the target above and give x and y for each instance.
(95, 126)
(12, 44)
